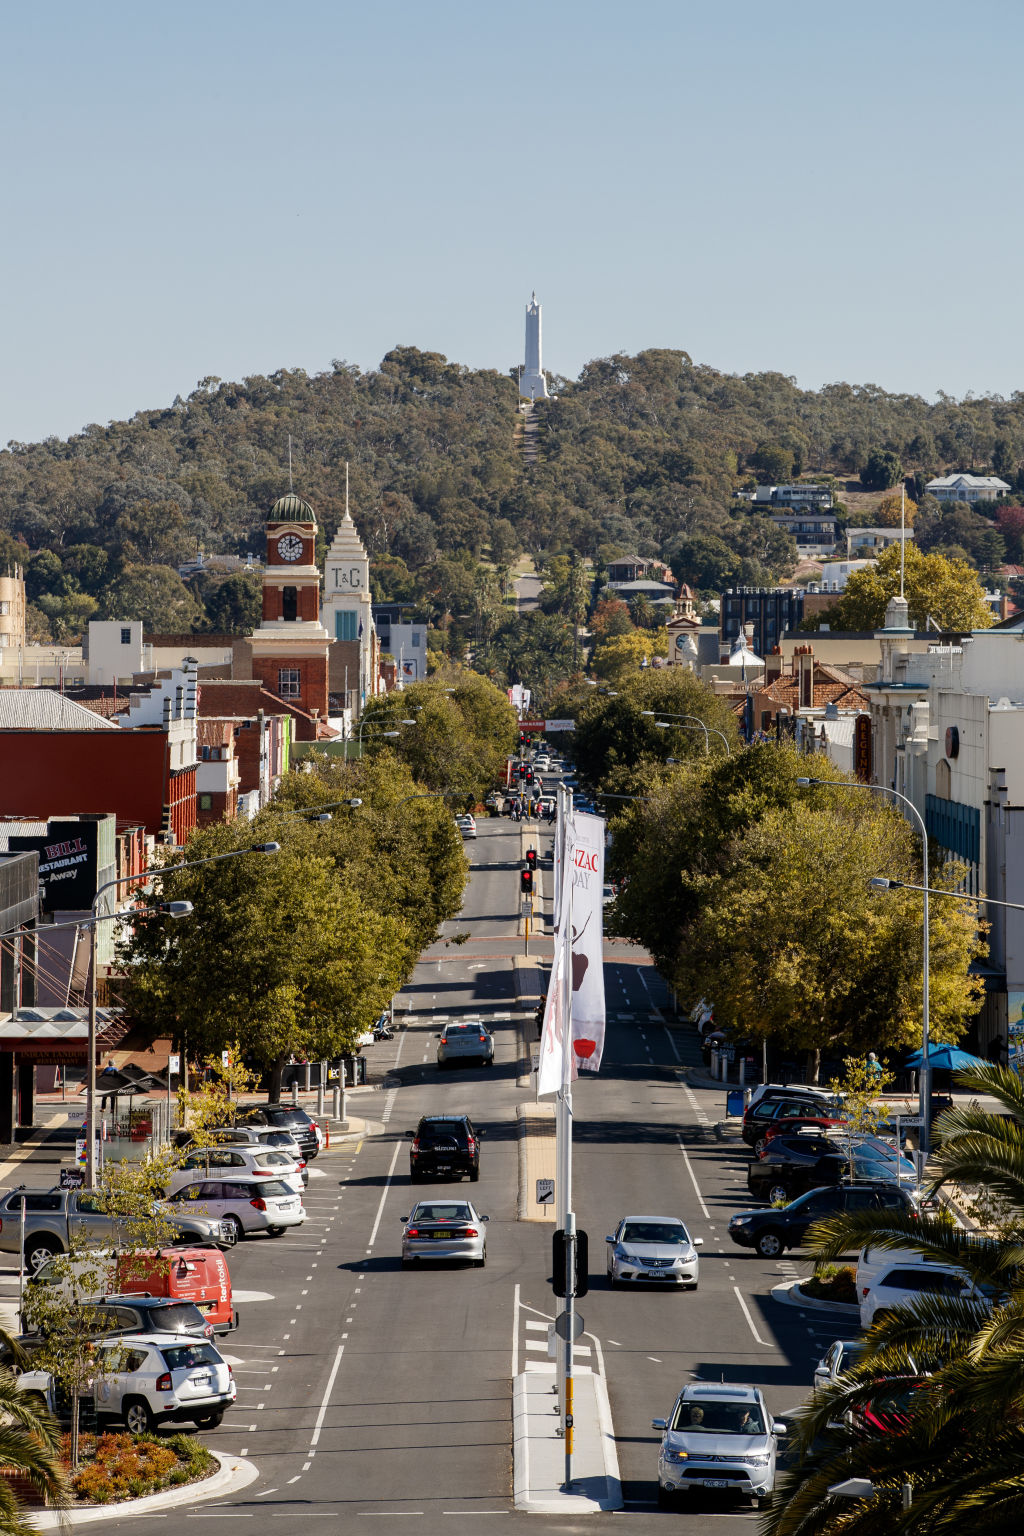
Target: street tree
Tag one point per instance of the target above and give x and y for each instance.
(795, 949)
(465, 727)
(618, 729)
(882, 470)
(623, 657)
(947, 591)
(279, 954)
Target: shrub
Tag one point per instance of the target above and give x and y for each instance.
(830, 1283)
(121, 1466)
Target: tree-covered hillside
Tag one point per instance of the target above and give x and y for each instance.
(638, 454)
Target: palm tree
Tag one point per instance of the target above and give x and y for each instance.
(30, 1446)
(933, 1412)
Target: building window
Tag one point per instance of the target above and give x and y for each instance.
(5, 608)
(289, 604)
(206, 802)
(345, 626)
(126, 637)
(415, 637)
(289, 683)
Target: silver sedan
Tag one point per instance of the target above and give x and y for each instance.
(658, 1249)
(444, 1229)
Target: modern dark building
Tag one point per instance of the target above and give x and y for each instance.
(771, 611)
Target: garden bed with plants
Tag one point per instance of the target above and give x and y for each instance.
(113, 1467)
(832, 1283)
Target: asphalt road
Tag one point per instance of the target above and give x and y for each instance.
(382, 1398)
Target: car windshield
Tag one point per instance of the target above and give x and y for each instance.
(462, 1029)
(174, 1318)
(654, 1232)
(184, 1357)
(712, 1418)
(441, 1213)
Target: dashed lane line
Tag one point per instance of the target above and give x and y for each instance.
(693, 1179)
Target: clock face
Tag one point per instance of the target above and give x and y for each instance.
(289, 547)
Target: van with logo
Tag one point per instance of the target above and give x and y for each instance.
(199, 1275)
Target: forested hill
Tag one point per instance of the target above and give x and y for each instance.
(638, 454)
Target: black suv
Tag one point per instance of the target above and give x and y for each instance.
(792, 1164)
(446, 1146)
(772, 1231)
(285, 1117)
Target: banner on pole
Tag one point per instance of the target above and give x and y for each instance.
(555, 1068)
(585, 842)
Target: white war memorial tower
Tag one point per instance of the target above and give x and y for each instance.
(533, 385)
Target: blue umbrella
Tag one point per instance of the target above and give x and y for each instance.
(947, 1058)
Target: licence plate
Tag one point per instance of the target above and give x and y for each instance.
(442, 1234)
(202, 1381)
(716, 1482)
(444, 1167)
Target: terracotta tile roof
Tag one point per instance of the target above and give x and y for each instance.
(831, 686)
(214, 733)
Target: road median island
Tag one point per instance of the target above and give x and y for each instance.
(536, 1125)
(539, 1451)
(233, 1474)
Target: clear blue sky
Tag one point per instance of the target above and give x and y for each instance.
(232, 186)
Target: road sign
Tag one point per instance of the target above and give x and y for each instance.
(903, 1120)
(174, 1062)
(562, 1325)
(560, 725)
(545, 1191)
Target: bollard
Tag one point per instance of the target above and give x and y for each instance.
(295, 1091)
(337, 1104)
(320, 1100)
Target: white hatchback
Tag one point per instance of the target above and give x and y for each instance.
(147, 1379)
(246, 1204)
(235, 1162)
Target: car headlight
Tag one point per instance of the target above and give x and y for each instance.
(756, 1461)
(677, 1455)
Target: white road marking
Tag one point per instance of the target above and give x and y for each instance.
(750, 1320)
(653, 1360)
(327, 1396)
(693, 1180)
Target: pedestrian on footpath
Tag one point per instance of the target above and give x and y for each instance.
(873, 1065)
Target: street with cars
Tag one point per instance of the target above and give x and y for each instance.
(371, 1371)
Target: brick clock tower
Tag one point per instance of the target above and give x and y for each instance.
(291, 646)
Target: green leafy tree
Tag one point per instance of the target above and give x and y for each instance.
(621, 659)
(155, 594)
(279, 954)
(773, 463)
(620, 732)
(464, 729)
(233, 606)
(947, 591)
(794, 948)
(881, 470)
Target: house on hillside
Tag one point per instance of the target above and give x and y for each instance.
(969, 488)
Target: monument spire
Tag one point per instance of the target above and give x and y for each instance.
(533, 385)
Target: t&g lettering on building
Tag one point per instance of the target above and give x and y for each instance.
(349, 578)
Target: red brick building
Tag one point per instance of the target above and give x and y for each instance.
(291, 646)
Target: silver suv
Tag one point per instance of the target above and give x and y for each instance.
(718, 1437)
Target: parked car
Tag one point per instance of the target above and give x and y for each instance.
(789, 1124)
(444, 1229)
(468, 1041)
(902, 1284)
(128, 1313)
(772, 1090)
(53, 1217)
(873, 1262)
(772, 1231)
(445, 1146)
(146, 1380)
(790, 1165)
(836, 1361)
(718, 1437)
(658, 1249)
(466, 825)
(778, 1104)
(195, 1277)
(286, 1117)
(246, 1204)
(236, 1162)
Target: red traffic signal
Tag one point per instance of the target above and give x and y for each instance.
(531, 858)
(526, 882)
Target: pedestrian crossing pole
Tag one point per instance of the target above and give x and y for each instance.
(565, 1217)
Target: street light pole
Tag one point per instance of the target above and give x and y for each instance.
(109, 885)
(924, 1085)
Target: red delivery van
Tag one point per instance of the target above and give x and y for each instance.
(199, 1275)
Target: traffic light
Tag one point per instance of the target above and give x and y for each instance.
(522, 738)
(526, 882)
(529, 775)
(522, 770)
(581, 1269)
(531, 859)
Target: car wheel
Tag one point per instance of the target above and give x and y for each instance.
(474, 1175)
(208, 1420)
(39, 1253)
(759, 1146)
(137, 1416)
(769, 1245)
(233, 1226)
(778, 1192)
(415, 1177)
(489, 1062)
(276, 1231)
